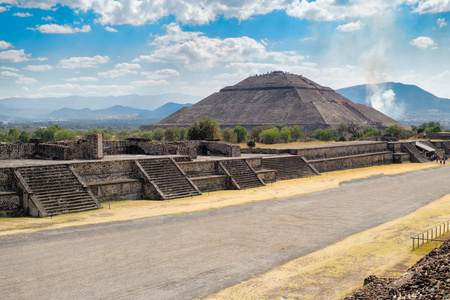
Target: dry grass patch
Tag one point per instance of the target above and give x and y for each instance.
(336, 270)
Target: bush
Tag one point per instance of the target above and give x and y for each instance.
(229, 135)
(171, 134)
(158, 134)
(241, 133)
(251, 144)
(285, 134)
(207, 128)
(270, 136)
(325, 135)
(65, 135)
(297, 133)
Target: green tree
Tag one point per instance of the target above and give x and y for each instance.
(24, 137)
(49, 133)
(285, 134)
(207, 128)
(123, 134)
(241, 133)
(64, 135)
(13, 135)
(269, 136)
(147, 135)
(171, 134)
(229, 135)
(182, 132)
(327, 135)
(251, 144)
(297, 133)
(158, 134)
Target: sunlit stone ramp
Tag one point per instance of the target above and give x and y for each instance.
(169, 181)
(54, 190)
(241, 173)
(289, 167)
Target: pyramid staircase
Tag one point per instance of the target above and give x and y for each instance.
(446, 147)
(289, 167)
(170, 181)
(243, 175)
(416, 156)
(55, 190)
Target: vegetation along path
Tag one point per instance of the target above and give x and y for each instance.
(196, 254)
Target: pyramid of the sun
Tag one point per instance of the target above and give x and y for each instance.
(278, 98)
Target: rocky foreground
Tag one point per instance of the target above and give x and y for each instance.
(429, 278)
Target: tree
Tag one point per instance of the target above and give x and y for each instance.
(241, 133)
(297, 133)
(207, 128)
(285, 134)
(13, 135)
(182, 133)
(123, 134)
(158, 134)
(229, 135)
(171, 134)
(49, 133)
(269, 136)
(65, 135)
(147, 135)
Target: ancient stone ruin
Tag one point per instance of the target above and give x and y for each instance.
(81, 175)
(278, 98)
(429, 278)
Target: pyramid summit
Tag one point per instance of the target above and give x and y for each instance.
(278, 98)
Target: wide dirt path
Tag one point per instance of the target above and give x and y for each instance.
(197, 254)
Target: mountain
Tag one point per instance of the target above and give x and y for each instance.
(116, 112)
(413, 103)
(278, 98)
(47, 105)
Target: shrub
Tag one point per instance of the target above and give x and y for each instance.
(229, 135)
(158, 134)
(270, 136)
(251, 144)
(207, 128)
(297, 133)
(241, 133)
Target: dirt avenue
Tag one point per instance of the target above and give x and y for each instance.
(197, 254)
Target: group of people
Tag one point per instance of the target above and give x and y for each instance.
(440, 159)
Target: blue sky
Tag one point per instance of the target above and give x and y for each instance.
(106, 47)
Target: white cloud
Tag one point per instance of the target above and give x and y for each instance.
(82, 62)
(9, 69)
(63, 29)
(423, 42)
(333, 10)
(5, 45)
(349, 27)
(25, 89)
(48, 18)
(160, 74)
(22, 15)
(14, 55)
(42, 58)
(87, 89)
(197, 51)
(26, 80)
(38, 68)
(116, 73)
(150, 82)
(120, 70)
(10, 74)
(81, 79)
(110, 29)
(441, 22)
(432, 6)
(3, 9)
(128, 66)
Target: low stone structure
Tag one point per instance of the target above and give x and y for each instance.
(427, 279)
(46, 189)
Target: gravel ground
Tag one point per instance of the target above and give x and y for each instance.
(194, 255)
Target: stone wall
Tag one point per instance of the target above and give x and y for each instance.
(438, 136)
(353, 161)
(340, 150)
(17, 151)
(211, 183)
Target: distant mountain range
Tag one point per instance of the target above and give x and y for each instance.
(416, 105)
(116, 112)
(151, 107)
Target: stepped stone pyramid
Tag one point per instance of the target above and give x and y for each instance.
(278, 98)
